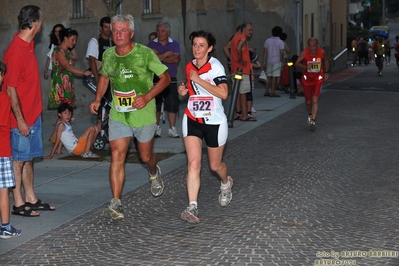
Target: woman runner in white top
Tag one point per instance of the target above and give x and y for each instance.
(204, 118)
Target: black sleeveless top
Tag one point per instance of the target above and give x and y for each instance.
(102, 46)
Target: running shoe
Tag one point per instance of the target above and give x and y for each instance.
(114, 210)
(157, 132)
(190, 214)
(14, 232)
(226, 195)
(157, 185)
(173, 133)
(312, 125)
(309, 119)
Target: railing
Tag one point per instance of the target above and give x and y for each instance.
(340, 54)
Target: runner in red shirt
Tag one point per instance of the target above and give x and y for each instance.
(315, 65)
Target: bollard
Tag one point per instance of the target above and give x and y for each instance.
(292, 79)
(234, 95)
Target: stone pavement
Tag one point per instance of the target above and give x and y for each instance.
(300, 197)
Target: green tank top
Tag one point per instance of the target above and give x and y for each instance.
(131, 75)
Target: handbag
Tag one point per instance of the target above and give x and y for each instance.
(263, 77)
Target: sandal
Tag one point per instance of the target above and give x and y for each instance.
(249, 119)
(39, 206)
(266, 94)
(238, 115)
(286, 89)
(23, 210)
(274, 95)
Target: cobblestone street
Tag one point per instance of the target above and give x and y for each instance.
(299, 197)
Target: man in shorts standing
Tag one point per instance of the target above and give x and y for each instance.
(240, 58)
(168, 51)
(130, 68)
(315, 64)
(273, 55)
(23, 86)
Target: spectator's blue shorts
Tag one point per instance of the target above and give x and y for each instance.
(26, 148)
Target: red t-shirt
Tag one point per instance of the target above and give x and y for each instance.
(23, 74)
(315, 74)
(244, 56)
(5, 113)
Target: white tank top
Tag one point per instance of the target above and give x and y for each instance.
(68, 139)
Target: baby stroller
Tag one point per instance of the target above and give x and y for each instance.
(102, 137)
(284, 82)
(285, 78)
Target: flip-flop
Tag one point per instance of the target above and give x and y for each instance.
(249, 119)
(39, 206)
(274, 95)
(23, 210)
(266, 94)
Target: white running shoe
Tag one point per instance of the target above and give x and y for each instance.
(157, 185)
(312, 125)
(114, 210)
(190, 215)
(173, 133)
(225, 196)
(157, 132)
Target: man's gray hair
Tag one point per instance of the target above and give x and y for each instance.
(28, 15)
(313, 39)
(123, 18)
(164, 23)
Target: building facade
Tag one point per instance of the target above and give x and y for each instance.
(220, 17)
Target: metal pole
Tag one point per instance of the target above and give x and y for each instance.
(234, 96)
(292, 79)
(383, 12)
(298, 27)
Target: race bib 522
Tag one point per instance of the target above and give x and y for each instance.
(201, 106)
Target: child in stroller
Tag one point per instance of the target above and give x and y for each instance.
(102, 137)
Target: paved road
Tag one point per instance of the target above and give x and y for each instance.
(299, 196)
